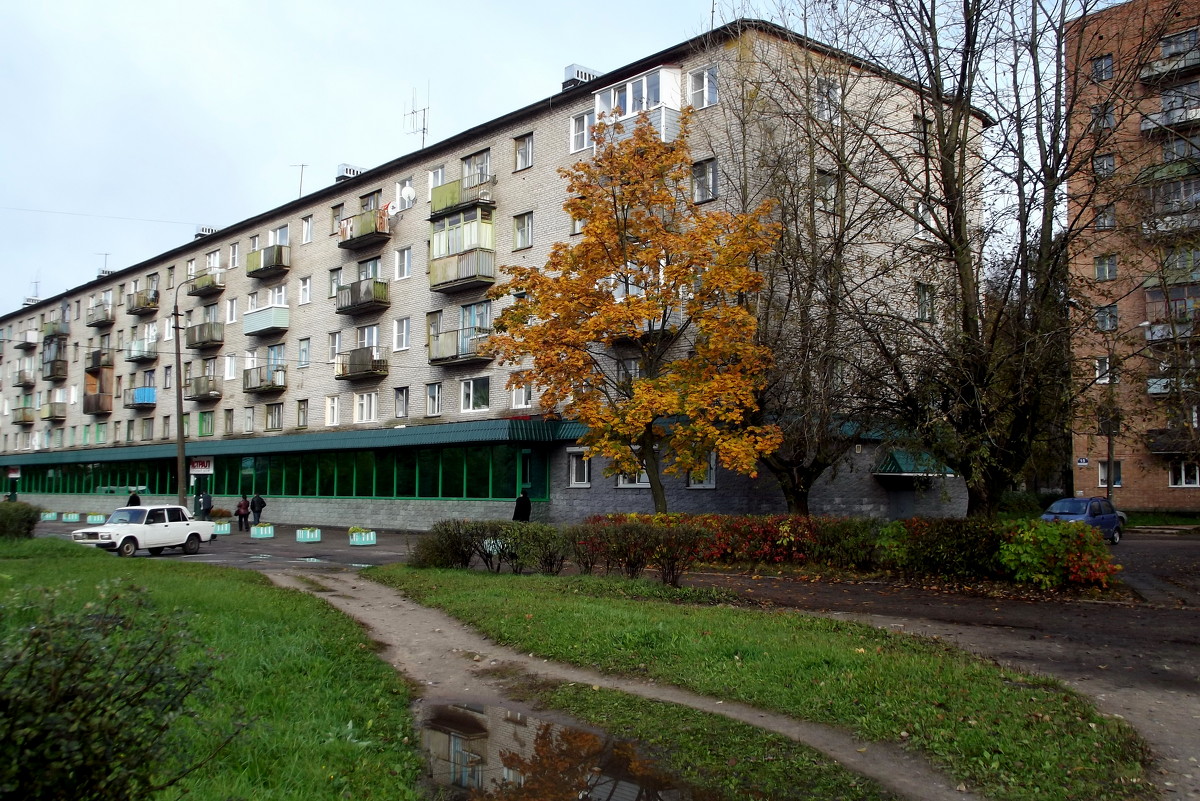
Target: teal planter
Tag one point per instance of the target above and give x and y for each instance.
(308, 535)
(362, 537)
(262, 531)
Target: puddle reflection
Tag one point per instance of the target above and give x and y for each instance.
(497, 754)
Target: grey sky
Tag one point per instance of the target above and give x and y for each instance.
(130, 122)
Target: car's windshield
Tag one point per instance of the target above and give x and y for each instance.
(127, 516)
(1068, 506)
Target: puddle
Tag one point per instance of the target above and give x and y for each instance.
(261, 556)
(486, 752)
(309, 559)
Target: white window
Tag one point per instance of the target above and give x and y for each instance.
(306, 229)
(212, 262)
(368, 268)
(523, 152)
(335, 345)
(1106, 218)
(191, 272)
(702, 86)
(1106, 318)
(403, 263)
(401, 398)
(827, 104)
(371, 201)
(274, 417)
(305, 290)
(278, 236)
(366, 407)
(632, 97)
(1104, 372)
(405, 199)
(1106, 267)
(253, 242)
(477, 166)
(230, 366)
(433, 399)
(335, 281)
(581, 130)
(368, 336)
(626, 481)
(277, 295)
(1183, 474)
(437, 177)
(924, 217)
(251, 301)
(400, 329)
(248, 420)
(579, 469)
(1103, 116)
(233, 255)
(251, 358)
(475, 394)
(1102, 68)
(709, 479)
(522, 396)
(304, 352)
(704, 180)
(1102, 474)
(231, 310)
(331, 410)
(523, 231)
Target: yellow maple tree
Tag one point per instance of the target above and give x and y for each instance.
(644, 329)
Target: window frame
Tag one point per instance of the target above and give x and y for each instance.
(705, 185)
(469, 394)
(522, 152)
(704, 82)
(523, 231)
(579, 469)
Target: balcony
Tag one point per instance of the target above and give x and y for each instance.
(364, 230)
(271, 378)
(98, 403)
(26, 339)
(142, 302)
(24, 378)
(360, 363)
(100, 316)
(1174, 329)
(469, 270)
(370, 294)
(98, 360)
(141, 350)
(458, 347)
(140, 398)
(203, 388)
(54, 370)
(1172, 66)
(24, 415)
(1165, 386)
(205, 335)
(1162, 122)
(1167, 223)
(471, 190)
(207, 284)
(54, 411)
(55, 328)
(663, 119)
(265, 321)
(269, 262)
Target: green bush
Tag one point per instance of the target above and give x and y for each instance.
(1053, 555)
(630, 546)
(676, 549)
(100, 702)
(844, 542)
(540, 545)
(1019, 502)
(953, 547)
(447, 544)
(587, 542)
(17, 519)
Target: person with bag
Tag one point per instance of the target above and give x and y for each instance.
(257, 504)
(242, 512)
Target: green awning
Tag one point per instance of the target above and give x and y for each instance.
(908, 463)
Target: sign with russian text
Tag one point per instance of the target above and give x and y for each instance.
(202, 466)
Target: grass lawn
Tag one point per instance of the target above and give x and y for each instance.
(1010, 735)
(327, 718)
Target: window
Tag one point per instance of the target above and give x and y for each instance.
(400, 330)
(1179, 147)
(276, 295)
(401, 400)
(335, 217)
(709, 478)
(228, 414)
(632, 97)
(278, 236)
(368, 336)
(704, 180)
(371, 201)
(230, 366)
(523, 152)
(304, 352)
(335, 281)
(207, 425)
(306, 229)
(437, 177)
(475, 392)
(148, 428)
(433, 399)
(1103, 117)
(369, 268)
(1106, 318)
(522, 396)
(1104, 165)
(101, 433)
(1102, 68)
(826, 189)
(922, 133)
(247, 419)
(403, 263)
(405, 199)
(233, 256)
(523, 231)
(1105, 371)
(167, 371)
(366, 405)
(187, 425)
(628, 371)
(627, 481)
(577, 226)
(827, 101)
(1106, 218)
(461, 232)
(231, 310)
(335, 345)
(1106, 267)
(305, 290)
(579, 469)
(331, 410)
(302, 413)
(925, 302)
(1179, 43)
(581, 130)
(1183, 474)
(1102, 475)
(702, 86)
(924, 217)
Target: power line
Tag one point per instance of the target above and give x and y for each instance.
(96, 216)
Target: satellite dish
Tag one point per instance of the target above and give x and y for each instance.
(408, 194)
(392, 208)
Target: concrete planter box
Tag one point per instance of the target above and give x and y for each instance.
(70, 517)
(308, 535)
(95, 519)
(49, 515)
(262, 531)
(221, 528)
(362, 537)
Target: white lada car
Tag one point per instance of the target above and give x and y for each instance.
(154, 528)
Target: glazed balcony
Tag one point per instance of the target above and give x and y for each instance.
(469, 270)
(1177, 119)
(1167, 224)
(100, 315)
(142, 302)
(140, 398)
(458, 347)
(54, 370)
(205, 335)
(141, 350)
(271, 378)
(370, 294)
(369, 362)
(98, 403)
(203, 388)
(468, 191)
(99, 359)
(54, 411)
(24, 415)
(1172, 67)
(266, 320)
(364, 230)
(24, 378)
(55, 328)
(26, 339)
(207, 284)
(269, 262)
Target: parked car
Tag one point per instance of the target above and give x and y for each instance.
(154, 528)
(1096, 512)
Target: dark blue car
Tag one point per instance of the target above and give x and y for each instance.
(1096, 512)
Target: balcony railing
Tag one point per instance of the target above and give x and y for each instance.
(54, 370)
(202, 388)
(55, 328)
(469, 270)
(141, 350)
(267, 320)
(24, 378)
(370, 294)
(461, 345)
(1163, 121)
(1172, 329)
(98, 403)
(1163, 67)
(100, 315)
(26, 339)
(24, 415)
(269, 262)
(55, 410)
(364, 230)
(98, 360)
(369, 362)
(1164, 386)
(205, 335)
(207, 284)
(144, 301)
(140, 398)
(271, 378)
(1166, 224)
(465, 191)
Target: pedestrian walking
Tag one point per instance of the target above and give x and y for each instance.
(134, 499)
(242, 511)
(524, 507)
(205, 505)
(257, 504)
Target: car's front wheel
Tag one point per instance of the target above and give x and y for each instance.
(1116, 535)
(128, 547)
(192, 546)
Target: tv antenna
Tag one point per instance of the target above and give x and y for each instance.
(418, 118)
(301, 166)
(105, 255)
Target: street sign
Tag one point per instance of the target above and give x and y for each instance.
(14, 472)
(201, 466)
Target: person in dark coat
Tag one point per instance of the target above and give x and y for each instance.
(134, 499)
(257, 504)
(524, 507)
(242, 511)
(205, 505)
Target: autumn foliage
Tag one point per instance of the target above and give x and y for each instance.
(644, 329)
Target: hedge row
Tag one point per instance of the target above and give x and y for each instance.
(17, 519)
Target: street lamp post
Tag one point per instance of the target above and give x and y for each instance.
(180, 454)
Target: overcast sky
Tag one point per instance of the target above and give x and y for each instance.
(128, 123)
